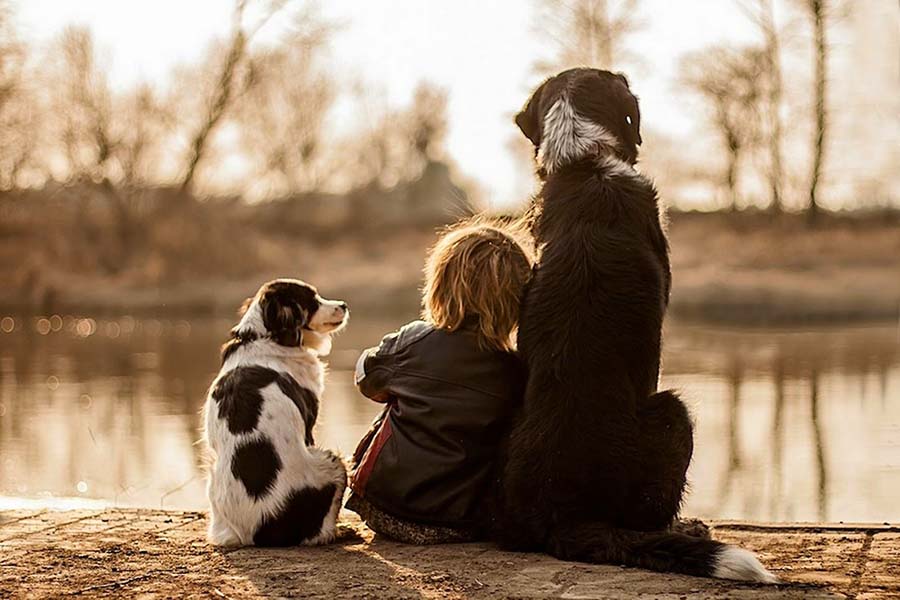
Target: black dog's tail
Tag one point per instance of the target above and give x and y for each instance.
(657, 551)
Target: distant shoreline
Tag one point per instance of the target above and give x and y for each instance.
(708, 309)
(731, 269)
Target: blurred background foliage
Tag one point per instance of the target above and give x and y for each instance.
(115, 198)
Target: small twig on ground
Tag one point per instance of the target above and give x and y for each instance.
(162, 498)
(112, 584)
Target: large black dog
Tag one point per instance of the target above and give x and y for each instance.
(597, 460)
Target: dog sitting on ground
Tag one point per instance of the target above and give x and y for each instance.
(268, 483)
(597, 459)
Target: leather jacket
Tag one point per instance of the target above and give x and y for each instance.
(430, 456)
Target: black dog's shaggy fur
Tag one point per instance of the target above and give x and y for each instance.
(597, 461)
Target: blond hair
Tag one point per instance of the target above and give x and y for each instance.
(477, 271)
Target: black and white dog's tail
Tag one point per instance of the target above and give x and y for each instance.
(657, 551)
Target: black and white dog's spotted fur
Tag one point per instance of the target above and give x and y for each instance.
(268, 484)
(597, 459)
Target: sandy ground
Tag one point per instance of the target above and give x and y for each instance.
(156, 554)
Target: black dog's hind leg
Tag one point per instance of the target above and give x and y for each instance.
(666, 445)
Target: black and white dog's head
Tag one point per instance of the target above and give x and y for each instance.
(580, 113)
(291, 312)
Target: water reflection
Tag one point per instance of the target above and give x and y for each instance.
(790, 425)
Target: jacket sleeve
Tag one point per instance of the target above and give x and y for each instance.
(375, 368)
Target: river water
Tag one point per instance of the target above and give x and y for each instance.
(791, 425)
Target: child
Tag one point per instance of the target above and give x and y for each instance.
(424, 472)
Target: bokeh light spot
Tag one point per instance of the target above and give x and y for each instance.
(113, 329)
(53, 382)
(86, 327)
(43, 326)
(7, 324)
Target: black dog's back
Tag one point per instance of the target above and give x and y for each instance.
(605, 258)
(590, 334)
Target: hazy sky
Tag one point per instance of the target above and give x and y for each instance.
(482, 51)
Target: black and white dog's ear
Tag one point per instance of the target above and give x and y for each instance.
(283, 319)
(530, 120)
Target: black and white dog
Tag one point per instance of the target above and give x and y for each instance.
(597, 460)
(268, 484)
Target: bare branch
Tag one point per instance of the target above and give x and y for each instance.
(283, 112)
(225, 88)
(588, 32)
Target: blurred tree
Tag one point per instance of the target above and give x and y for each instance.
(84, 106)
(106, 138)
(111, 141)
(282, 114)
(400, 144)
(762, 14)
(819, 13)
(228, 84)
(10, 55)
(17, 119)
(587, 32)
(427, 123)
(145, 123)
(730, 82)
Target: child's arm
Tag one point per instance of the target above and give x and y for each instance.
(371, 378)
(374, 369)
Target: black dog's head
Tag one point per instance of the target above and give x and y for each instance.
(292, 313)
(579, 113)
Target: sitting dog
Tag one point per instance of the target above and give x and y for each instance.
(597, 459)
(268, 484)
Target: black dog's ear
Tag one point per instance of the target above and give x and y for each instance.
(529, 118)
(283, 318)
(530, 126)
(634, 119)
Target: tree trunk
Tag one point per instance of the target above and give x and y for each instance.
(733, 146)
(817, 10)
(605, 42)
(731, 175)
(776, 86)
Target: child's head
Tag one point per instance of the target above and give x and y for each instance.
(476, 273)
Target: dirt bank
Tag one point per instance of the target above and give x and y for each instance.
(742, 269)
(155, 554)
